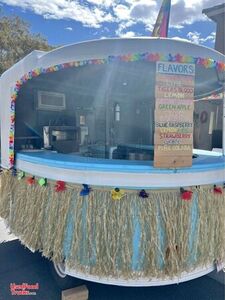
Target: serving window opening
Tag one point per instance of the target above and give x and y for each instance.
(107, 111)
(100, 111)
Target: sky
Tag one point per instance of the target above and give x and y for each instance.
(64, 22)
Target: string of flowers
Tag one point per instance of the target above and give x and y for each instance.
(116, 193)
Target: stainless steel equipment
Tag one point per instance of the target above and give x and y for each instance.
(64, 139)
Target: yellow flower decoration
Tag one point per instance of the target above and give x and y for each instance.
(117, 194)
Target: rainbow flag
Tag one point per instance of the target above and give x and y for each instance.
(162, 22)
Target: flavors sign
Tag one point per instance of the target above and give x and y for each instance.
(174, 94)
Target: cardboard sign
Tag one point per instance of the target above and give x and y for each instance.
(171, 105)
(177, 87)
(174, 92)
(177, 162)
(173, 138)
(173, 117)
(172, 68)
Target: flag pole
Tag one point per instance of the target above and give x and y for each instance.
(162, 23)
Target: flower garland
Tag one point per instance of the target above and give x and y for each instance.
(150, 57)
(116, 193)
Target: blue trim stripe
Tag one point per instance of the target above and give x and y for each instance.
(202, 163)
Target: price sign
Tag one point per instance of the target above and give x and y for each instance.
(174, 93)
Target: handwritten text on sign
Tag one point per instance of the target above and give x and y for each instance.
(175, 68)
(174, 92)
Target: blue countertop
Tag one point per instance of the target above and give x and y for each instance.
(205, 161)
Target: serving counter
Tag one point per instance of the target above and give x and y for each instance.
(208, 167)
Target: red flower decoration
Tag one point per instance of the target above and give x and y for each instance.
(66, 65)
(220, 66)
(11, 160)
(186, 195)
(30, 180)
(150, 57)
(178, 58)
(60, 186)
(217, 190)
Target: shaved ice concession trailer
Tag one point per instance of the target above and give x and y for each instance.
(112, 156)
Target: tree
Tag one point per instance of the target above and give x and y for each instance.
(16, 41)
